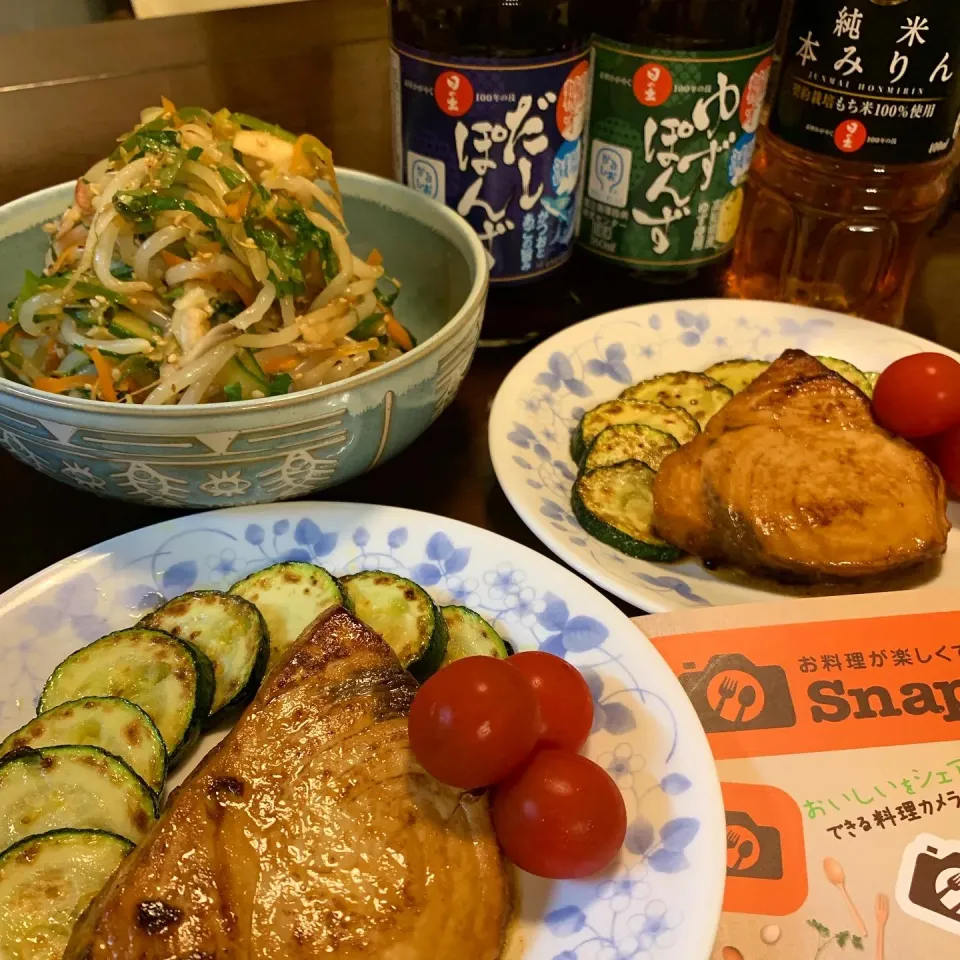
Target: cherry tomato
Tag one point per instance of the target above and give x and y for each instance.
(946, 452)
(561, 816)
(566, 707)
(474, 722)
(919, 396)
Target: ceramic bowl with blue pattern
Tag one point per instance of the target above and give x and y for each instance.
(256, 451)
(545, 395)
(661, 898)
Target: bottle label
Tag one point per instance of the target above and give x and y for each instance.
(670, 141)
(874, 82)
(500, 142)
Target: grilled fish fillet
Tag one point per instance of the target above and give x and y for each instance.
(311, 831)
(794, 479)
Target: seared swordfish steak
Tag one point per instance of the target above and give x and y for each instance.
(311, 831)
(794, 479)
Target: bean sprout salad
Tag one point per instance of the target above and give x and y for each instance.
(205, 260)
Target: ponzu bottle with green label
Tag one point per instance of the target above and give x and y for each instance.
(678, 95)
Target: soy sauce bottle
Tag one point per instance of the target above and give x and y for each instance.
(678, 95)
(490, 104)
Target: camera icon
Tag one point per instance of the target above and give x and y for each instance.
(734, 693)
(752, 850)
(928, 886)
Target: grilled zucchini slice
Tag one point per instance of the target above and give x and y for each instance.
(701, 396)
(117, 726)
(737, 375)
(290, 596)
(615, 505)
(849, 372)
(56, 788)
(672, 420)
(469, 635)
(403, 614)
(230, 631)
(872, 379)
(168, 679)
(47, 882)
(630, 441)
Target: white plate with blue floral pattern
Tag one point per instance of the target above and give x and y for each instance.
(660, 901)
(544, 396)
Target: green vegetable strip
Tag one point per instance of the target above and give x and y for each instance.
(186, 114)
(150, 138)
(230, 177)
(138, 205)
(253, 123)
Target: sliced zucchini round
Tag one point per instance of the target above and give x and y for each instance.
(56, 788)
(672, 420)
(615, 505)
(117, 726)
(47, 882)
(737, 375)
(403, 614)
(630, 441)
(290, 596)
(469, 635)
(168, 679)
(849, 372)
(701, 396)
(230, 631)
(872, 379)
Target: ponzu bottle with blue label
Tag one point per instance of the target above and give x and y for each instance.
(490, 106)
(678, 94)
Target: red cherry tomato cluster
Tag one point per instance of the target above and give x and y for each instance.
(517, 725)
(919, 398)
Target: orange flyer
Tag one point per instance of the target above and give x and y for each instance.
(836, 728)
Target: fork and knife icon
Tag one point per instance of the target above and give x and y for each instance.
(728, 688)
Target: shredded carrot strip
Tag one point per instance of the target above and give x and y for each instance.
(104, 374)
(375, 259)
(63, 257)
(63, 384)
(51, 361)
(237, 208)
(227, 281)
(169, 107)
(206, 246)
(171, 259)
(397, 333)
(299, 164)
(4, 327)
(280, 364)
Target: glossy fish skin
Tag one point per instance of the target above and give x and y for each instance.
(311, 831)
(794, 479)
